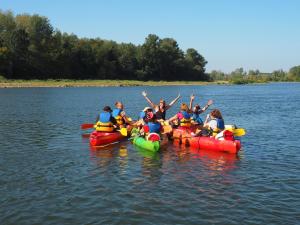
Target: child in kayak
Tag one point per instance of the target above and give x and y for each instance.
(153, 128)
(105, 121)
(119, 114)
(142, 119)
(196, 111)
(214, 122)
(182, 118)
(161, 108)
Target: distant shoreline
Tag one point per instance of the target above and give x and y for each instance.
(99, 83)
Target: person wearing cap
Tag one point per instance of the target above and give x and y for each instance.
(119, 114)
(162, 107)
(142, 120)
(105, 121)
(196, 111)
(153, 128)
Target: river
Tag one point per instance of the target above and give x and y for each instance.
(49, 174)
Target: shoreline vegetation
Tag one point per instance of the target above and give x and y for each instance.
(98, 83)
(4, 83)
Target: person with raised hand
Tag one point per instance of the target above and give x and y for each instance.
(162, 107)
(197, 110)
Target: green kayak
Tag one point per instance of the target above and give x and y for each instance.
(148, 145)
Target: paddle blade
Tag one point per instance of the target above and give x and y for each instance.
(167, 129)
(239, 132)
(87, 126)
(123, 131)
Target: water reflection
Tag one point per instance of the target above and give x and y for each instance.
(151, 165)
(123, 159)
(216, 162)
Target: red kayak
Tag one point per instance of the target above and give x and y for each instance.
(182, 135)
(99, 138)
(212, 144)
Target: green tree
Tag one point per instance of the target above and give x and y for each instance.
(196, 65)
(294, 73)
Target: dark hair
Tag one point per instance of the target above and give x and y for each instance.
(107, 109)
(197, 106)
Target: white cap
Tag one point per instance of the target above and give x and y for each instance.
(146, 108)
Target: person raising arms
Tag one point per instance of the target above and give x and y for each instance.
(196, 111)
(162, 107)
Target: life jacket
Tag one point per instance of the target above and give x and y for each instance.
(196, 118)
(152, 131)
(184, 119)
(154, 127)
(116, 114)
(104, 123)
(220, 126)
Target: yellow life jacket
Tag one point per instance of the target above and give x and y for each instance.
(185, 120)
(120, 120)
(105, 127)
(116, 114)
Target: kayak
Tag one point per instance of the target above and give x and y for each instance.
(141, 142)
(182, 135)
(212, 144)
(98, 138)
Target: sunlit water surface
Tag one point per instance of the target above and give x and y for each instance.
(49, 174)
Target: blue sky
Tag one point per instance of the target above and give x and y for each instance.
(253, 34)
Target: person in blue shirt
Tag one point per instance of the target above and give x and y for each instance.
(197, 110)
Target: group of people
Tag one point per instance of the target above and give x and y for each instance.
(153, 118)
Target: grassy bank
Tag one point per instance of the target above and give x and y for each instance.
(96, 83)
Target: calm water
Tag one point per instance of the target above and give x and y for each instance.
(49, 175)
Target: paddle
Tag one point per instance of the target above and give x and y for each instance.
(239, 132)
(87, 126)
(236, 131)
(123, 131)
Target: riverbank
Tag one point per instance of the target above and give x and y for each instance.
(97, 83)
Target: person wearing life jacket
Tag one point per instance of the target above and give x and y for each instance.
(197, 110)
(214, 122)
(161, 108)
(105, 121)
(119, 114)
(183, 116)
(142, 118)
(153, 128)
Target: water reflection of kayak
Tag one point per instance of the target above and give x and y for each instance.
(220, 161)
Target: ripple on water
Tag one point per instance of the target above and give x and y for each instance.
(48, 174)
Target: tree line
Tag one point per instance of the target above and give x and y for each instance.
(30, 48)
(240, 76)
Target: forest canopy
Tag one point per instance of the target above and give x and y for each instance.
(30, 48)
